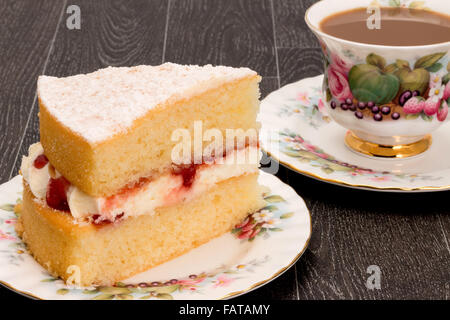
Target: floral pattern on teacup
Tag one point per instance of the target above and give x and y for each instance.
(388, 88)
(413, 4)
(378, 90)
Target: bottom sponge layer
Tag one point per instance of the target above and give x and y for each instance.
(104, 255)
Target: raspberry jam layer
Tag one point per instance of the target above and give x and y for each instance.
(182, 183)
(40, 161)
(187, 173)
(56, 196)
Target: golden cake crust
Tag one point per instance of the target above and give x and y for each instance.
(107, 254)
(102, 168)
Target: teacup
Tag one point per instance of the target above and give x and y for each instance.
(368, 87)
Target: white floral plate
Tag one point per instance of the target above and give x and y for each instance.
(265, 245)
(298, 133)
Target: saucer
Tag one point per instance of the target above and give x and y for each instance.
(254, 253)
(297, 131)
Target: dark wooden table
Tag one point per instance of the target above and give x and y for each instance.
(406, 235)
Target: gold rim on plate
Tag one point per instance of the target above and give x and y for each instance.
(229, 295)
(279, 272)
(24, 293)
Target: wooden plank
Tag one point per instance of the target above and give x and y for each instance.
(353, 229)
(234, 33)
(296, 64)
(444, 221)
(113, 33)
(267, 85)
(445, 225)
(290, 26)
(27, 31)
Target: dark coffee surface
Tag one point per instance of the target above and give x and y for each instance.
(398, 27)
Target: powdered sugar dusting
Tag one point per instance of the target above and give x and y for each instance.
(105, 102)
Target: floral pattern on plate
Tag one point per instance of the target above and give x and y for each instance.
(295, 146)
(316, 148)
(309, 107)
(245, 263)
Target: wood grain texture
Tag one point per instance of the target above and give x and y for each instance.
(354, 229)
(290, 26)
(268, 85)
(113, 33)
(444, 219)
(27, 31)
(233, 32)
(445, 222)
(296, 64)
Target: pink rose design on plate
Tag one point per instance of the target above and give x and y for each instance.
(338, 84)
(190, 282)
(10, 221)
(5, 236)
(321, 107)
(340, 64)
(222, 281)
(303, 97)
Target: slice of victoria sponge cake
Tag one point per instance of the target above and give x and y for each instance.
(104, 196)
(107, 128)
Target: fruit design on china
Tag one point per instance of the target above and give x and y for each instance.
(380, 91)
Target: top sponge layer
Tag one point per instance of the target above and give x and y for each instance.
(103, 103)
(108, 129)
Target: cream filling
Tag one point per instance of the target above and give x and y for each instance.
(37, 179)
(163, 191)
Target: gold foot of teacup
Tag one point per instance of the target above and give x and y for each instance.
(384, 151)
